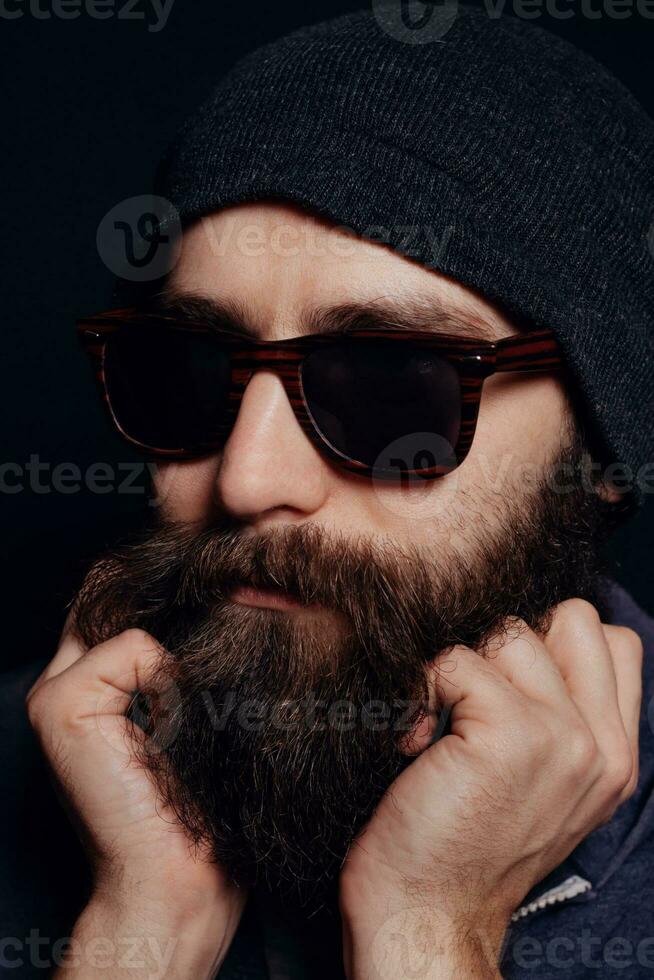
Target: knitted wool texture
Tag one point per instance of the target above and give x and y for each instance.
(499, 155)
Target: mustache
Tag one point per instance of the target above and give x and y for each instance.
(182, 571)
(299, 559)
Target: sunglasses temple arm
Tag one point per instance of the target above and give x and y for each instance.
(536, 351)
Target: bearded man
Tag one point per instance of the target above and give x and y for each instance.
(360, 701)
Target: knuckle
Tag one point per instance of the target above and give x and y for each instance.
(50, 708)
(455, 657)
(459, 650)
(618, 771)
(515, 626)
(581, 750)
(512, 629)
(139, 639)
(524, 737)
(580, 610)
(537, 747)
(627, 641)
(37, 705)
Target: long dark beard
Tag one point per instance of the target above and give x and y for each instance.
(282, 731)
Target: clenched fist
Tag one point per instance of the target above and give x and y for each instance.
(147, 878)
(543, 748)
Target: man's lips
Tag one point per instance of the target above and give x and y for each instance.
(267, 598)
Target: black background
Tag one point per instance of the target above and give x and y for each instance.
(88, 106)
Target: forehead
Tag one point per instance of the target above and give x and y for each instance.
(280, 261)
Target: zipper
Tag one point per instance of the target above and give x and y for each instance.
(570, 888)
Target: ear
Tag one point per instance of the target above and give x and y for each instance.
(610, 493)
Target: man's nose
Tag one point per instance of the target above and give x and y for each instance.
(268, 464)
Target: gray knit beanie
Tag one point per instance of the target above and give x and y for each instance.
(496, 153)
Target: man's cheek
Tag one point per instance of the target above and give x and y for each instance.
(184, 491)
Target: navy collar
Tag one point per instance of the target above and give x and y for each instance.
(601, 853)
(597, 858)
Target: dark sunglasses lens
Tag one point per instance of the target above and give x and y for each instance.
(385, 404)
(167, 388)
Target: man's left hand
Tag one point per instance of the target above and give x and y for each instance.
(543, 748)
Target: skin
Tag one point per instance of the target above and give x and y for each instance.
(521, 419)
(549, 720)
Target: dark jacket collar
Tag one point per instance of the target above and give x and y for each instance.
(600, 855)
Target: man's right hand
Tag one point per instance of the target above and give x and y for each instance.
(151, 887)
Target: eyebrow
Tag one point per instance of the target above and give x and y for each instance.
(420, 313)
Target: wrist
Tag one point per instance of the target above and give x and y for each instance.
(392, 939)
(148, 938)
(171, 897)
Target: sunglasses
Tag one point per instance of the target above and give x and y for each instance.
(380, 402)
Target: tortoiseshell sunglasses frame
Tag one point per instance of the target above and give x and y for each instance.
(533, 352)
